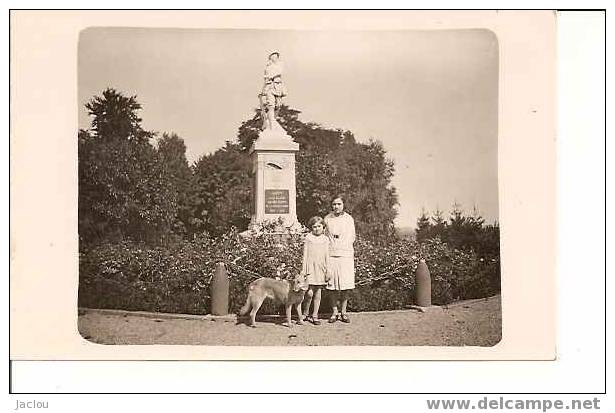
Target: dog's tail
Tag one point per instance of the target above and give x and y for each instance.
(246, 307)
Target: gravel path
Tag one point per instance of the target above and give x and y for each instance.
(474, 323)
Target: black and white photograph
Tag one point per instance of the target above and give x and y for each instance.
(280, 203)
(253, 187)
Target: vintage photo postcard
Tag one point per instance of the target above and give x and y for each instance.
(283, 185)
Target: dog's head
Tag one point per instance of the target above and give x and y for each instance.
(300, 283)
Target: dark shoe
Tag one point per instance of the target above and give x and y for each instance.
(334, 318)
(315, 321)
(345, 319)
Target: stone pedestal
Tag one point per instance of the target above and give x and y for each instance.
(274, 187)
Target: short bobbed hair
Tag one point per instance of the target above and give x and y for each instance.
(316, 220)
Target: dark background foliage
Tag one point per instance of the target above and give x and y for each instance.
(461, 231)
(134, 187)
(152, 226)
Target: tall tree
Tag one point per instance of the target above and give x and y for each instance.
(115, 116)
(423, 227)
(124, 188)
(455, 232)
(172, 153)
(438, 223)
(223, 190)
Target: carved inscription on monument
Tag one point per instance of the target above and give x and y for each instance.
(276, 201)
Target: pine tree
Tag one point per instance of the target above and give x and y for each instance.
(423, 227)
(439, 224)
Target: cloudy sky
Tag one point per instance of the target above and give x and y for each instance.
(429, 96)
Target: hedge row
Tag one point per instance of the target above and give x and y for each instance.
(176, 279)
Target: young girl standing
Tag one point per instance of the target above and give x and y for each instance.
(315, 265)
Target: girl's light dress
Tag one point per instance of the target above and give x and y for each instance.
(341, 233)
(315, 259)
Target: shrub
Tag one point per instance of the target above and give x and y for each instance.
(132, 277)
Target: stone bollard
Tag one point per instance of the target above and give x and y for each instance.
(219, 291)
(422, 292)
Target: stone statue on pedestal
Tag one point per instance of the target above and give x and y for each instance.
(273, 91)
(273, 156)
